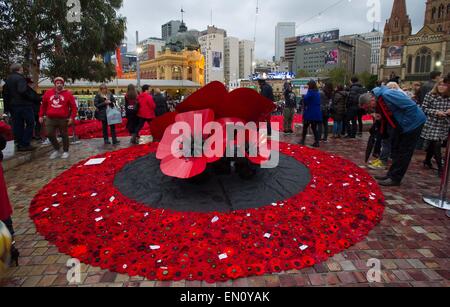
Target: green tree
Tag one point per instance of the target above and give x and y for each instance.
(9, 48)
(301, 73)
(364, 78)
(339, 75)
(63, 47)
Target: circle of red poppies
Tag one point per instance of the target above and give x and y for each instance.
(86, 217)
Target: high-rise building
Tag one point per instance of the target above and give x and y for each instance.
(375, 38)
(290, 45)
(246, 59)
(361, 53)
(214, 30)
(318, 58)
(231, 59)
(150, 48)
(170, 29)
(283, 30)
(212, 47)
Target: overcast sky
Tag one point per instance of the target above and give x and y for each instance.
(238, 17)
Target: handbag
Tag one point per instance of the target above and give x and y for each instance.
(113, 116)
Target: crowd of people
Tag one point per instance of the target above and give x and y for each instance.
(404, 119)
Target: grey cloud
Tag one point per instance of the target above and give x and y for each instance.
(238, 17)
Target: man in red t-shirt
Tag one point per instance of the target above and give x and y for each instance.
(59, 109)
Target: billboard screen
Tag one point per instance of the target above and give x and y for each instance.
(321, 37)
(217, 60)
(332, 57)
(394, 56)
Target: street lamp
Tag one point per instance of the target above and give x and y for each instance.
(138, 61)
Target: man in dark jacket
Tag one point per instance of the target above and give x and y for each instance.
(21, 107)
(427, 87)
(161, 103)
(289, 110)
(37, 101)
(267, 91)
(356, 90)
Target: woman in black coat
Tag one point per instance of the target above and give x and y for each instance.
(131, 109)
(102, 101)
(161, 103)
(339, 110)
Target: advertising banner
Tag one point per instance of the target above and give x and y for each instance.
(321, 37)
(394, 56)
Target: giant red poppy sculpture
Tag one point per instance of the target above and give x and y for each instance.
(211, 125)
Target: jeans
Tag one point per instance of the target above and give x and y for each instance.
(23, 124)
(324, 128)
(337, 127)
(314, 126)
(402, 153)
(288, 119)
(105, 131)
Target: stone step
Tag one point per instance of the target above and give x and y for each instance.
(20, 158)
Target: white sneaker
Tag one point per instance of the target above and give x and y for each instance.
(54, 155)
(65, 155)
(46, 142)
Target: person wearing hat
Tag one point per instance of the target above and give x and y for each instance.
(59, 110)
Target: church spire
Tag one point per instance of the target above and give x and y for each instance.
(398, 27)
(399, 9)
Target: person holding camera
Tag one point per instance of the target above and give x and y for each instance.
(104, 100)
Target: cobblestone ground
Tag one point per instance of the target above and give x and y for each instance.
(412, 242)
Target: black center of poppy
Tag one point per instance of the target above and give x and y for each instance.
(143, 181)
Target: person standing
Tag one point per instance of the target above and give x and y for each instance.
(37, 101)
(267, 91)
(339, 110)
(161, 103)
(289, 110)
(6, 209)
(436, 106)
(21, 107)
(398, 108)
(312, 115)
(326, 99)
(131, 110)
(59, 111)
(428, 86)
(356, 90)
(102, 101)
(147, 108)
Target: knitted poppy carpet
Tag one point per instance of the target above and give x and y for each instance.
(85, 213)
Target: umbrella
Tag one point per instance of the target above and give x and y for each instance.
(370, 145)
